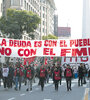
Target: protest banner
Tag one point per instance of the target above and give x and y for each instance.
(30, 48)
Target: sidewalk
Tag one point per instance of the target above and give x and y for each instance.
(89, 95)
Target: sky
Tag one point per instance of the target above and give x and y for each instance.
(70, 14)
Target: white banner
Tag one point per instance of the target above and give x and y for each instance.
(23, 48)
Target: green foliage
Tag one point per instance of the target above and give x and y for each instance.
(18, 21)
(50, 36)
(32, 36)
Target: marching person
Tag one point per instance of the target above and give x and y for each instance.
(29, 75)
(5, 72)
(42, 75)
(80, 74)
(89, 73)
(84, 73)
(11, 75)
(24, 72)
(68, 75)
(56, 77)
(75, 71)
(89, 77)
(60, 69)
(48, 74)
(0, 75)
(18, 77)
(52, 70)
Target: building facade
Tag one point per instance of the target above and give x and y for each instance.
(47, 9)
(86, 19)
(44, 8)
(56, 25)
(1, 11)
(64, 32)
(1, 8)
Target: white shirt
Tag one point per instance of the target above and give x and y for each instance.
(5, 72)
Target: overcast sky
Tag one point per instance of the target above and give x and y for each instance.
(70, 13)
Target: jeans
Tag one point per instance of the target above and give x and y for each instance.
(80, 79)
(5, 80)
(68, 81)
(18, 80)
(29, 83)
(0, 81)
(56, 84)
(42, 80)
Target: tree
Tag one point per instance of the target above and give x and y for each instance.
(50, 36)
(18, 21)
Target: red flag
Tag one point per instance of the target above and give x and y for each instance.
(45, 61)
(24, 61)
(52, 58)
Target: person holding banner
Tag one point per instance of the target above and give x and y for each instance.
(42, 75)
(68, 75)
(29, 75)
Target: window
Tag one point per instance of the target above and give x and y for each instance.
(46, 9)
(43, 30)
(43, 23)
(21, 2)
(1, 8)
(27, 6)
(12, 2)
(31, 1)
(43, 15)
(46, 30)
(43, 8)
(31, 8)
(40, 7)
(40, 14)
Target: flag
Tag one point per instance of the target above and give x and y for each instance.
(45, 61)
(51, 58)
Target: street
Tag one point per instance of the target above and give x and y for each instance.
(49, 93)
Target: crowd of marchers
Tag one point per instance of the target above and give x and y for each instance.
(14, 75)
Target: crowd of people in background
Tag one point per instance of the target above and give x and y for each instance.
(14, 75)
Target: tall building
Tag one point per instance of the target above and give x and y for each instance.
(1, 8)
(86, 19)
(47, 9)
(56, 25)
(64, 32)
(44, 8)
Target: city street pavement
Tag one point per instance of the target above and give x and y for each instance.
(49, 93)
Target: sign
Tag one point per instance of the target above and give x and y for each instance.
(52, 48)
(75, 60)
